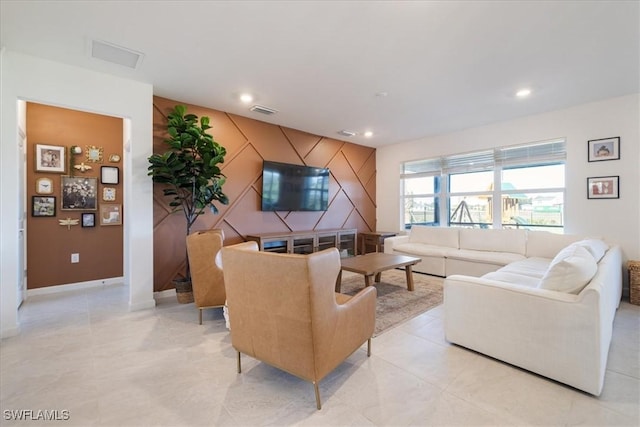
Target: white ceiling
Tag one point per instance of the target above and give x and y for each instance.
(445, 65)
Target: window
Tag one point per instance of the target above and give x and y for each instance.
(421, 199)
(509, 187)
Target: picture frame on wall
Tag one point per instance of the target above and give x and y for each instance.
(603, 187)
(43, 206)
(108, 194)
(604, 149)
(50, 158)
(88, 219)
(109, 175)
(79, 193)
(44, 186)
(110, 214)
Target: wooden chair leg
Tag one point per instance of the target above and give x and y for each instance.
(369, 347)
(315, 386)
(239, 366)
(200, 313)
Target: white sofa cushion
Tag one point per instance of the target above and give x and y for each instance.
(485, 257)
(532, 267)
(596, 247)
(544, 244)
(513, 278)
(570, 270)
(437, 236)
(501, 240)
(422, 249)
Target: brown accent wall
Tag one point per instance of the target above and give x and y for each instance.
(50, 245)
(352, 199)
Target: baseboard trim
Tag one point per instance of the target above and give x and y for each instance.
(168, 293)
(142, 305)
(10, 332)
(75, 286)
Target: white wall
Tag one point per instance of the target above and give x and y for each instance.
(32, 79)
(617, 220)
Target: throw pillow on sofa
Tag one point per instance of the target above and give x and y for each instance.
(570, 271)
(596, 247)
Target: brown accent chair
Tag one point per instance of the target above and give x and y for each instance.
(207, 280)
(284, 311)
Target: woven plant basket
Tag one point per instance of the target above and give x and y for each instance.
(634, 282)
(184, 291)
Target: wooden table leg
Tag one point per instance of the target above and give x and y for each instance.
(407, 269)
(339, 281)
(367, 281)
(378, 275)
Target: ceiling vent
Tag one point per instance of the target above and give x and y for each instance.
(263, 110)
(115, 54)
(346, 133)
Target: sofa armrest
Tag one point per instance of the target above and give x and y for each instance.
(552, 333)
(390, 242)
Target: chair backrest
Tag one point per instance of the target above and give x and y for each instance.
(203, 247)
(282, 307)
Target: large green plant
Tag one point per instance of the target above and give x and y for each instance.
(189, 169)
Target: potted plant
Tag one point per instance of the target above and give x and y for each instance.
(191, 175)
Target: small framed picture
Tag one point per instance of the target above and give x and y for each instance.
(88, 219)
(604, 149)
(79, 193)
(44, 186)
(43, 206)
(109, 175)
(109, 194)
(603, 187)
(110, 214)
(50, 158)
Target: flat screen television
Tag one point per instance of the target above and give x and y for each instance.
(287, 187)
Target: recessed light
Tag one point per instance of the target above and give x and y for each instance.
(368, 134)
(246, 98)
(523, 93)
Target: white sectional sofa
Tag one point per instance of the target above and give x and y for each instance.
(540, 301)
(472, 251)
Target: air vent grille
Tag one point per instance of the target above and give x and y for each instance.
(347, 133)
(115, 54)
(263, 110)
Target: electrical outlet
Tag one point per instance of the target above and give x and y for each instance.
(75, 258)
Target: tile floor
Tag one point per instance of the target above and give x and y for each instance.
(84, 352)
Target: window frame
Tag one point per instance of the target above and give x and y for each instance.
(497, 160)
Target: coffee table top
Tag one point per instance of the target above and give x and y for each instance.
(376, 262)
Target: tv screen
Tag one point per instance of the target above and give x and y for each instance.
(287, 187)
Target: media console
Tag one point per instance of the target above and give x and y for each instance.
(306, 242)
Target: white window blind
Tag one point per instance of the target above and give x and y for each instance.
(526, 154)
(543, 152)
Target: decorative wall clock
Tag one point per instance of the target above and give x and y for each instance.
(94, 154)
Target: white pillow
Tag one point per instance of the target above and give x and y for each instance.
(570, 270)
(596, 247)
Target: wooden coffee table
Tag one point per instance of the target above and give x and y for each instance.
(374, 264)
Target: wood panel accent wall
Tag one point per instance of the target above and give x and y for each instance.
(50, 245)
(352, 193)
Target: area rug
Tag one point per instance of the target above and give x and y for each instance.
(395, 303)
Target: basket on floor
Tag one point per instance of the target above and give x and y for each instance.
(634, 282)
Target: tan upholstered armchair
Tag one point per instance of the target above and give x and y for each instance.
(284, 311)
(207, 280)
